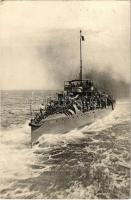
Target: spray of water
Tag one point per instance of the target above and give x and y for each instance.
(19, 162)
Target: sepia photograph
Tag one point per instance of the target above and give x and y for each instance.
(65, 99)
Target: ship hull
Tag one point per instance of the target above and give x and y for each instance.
(62, 123)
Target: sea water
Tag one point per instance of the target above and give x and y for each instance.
(89, 163)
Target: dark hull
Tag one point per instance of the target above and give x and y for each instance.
(62, 123)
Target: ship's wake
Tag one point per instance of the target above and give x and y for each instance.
(92, 162)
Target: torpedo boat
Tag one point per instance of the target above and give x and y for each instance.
(79, 104)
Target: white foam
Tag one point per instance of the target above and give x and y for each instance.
(16, 156)
(119, 115)
(52, 139)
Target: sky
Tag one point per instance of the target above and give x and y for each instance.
(39, 41)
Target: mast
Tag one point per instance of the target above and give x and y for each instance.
(80, 57)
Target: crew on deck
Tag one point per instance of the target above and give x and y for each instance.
(72, 102)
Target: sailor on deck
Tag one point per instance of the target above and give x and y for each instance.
(42, 109)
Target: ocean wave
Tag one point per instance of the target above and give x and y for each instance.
(70, 165)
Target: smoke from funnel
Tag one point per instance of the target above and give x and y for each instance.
(60, 55)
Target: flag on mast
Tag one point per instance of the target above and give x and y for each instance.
(82, 38)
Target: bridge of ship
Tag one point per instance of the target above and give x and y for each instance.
(77, 86)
